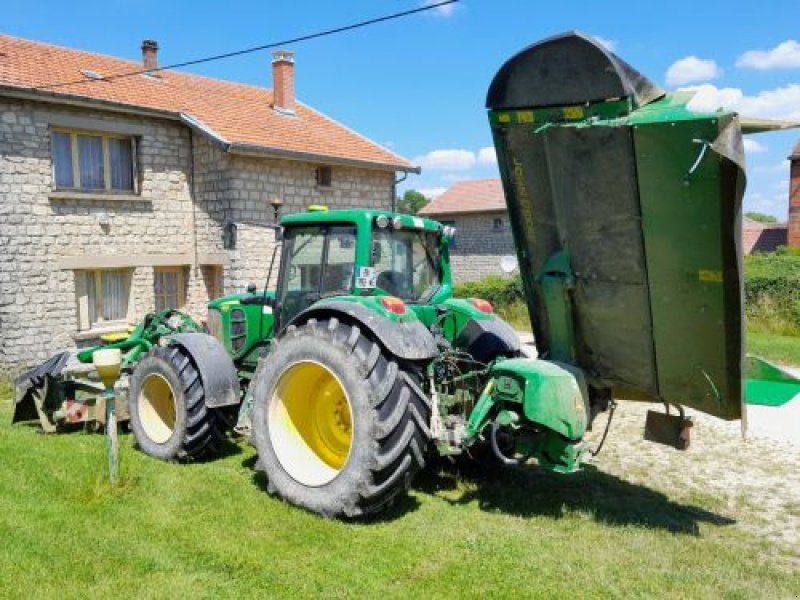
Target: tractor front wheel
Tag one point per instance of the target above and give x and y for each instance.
(340, 426)
(167, 408)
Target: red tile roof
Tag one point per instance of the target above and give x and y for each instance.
(474, 196)
(238, 113)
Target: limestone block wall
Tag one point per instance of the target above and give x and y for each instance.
(248, 185)
(40, 228)
(479, 244)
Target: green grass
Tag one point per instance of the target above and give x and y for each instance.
(779, 348)
(209, 530)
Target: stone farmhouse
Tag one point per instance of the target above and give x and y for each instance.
(477, 208)
(119, 196)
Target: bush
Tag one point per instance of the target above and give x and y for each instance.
(772, 291)
(500, 291)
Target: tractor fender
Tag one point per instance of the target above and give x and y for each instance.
(215, 366)
(408, 340)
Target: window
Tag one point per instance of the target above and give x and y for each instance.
(168, 287)
(320, 262)
(406, 263)
(497, 224)
(324, 176)
(213, 278)
(93, 162)
(102, 297)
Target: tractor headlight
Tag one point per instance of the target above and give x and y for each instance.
(382, 221)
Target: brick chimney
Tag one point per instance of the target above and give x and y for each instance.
(149, 55)
(283, 81)
(793, 226)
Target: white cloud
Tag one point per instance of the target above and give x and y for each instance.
(451, 160)
(785, 55)
(610, 45)
(442, 11)
(487, 156)
(709, 98)
(753, 147)
(432, 193)
(692, 69)
(780, 103)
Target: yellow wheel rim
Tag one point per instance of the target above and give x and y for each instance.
(157, 410)
(310, 423)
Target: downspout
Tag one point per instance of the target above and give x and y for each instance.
(394, 190)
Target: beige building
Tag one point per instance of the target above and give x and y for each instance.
(121, 195)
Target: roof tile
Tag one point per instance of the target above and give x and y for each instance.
(239, 113)
(472, 196)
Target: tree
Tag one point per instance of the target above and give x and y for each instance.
(761, 217)
(411, 202)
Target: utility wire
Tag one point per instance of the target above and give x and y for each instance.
(296, 40)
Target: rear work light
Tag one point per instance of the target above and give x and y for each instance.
(482, 305)
(393, 304)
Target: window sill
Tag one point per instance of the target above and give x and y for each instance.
(96, 332)
(78, 195)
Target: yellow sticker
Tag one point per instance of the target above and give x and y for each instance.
(525, 116)
(710, 276)
(573, 112)
(504, 118)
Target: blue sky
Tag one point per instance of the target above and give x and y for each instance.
(418, 85)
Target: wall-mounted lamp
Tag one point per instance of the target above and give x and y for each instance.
(229, 236)
(276, 203)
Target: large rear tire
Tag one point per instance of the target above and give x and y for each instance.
(340, 426)
(167, 408)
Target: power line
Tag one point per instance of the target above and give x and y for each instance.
(296, 40)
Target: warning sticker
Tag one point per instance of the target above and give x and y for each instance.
(709, 276)
(366, 277)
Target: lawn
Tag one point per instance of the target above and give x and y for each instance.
(209, 530)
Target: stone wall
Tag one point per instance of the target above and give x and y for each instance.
(479, 244)
(188, 190)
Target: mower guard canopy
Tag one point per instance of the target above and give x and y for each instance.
(631, 204)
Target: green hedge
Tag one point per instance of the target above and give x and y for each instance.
(500, 291)
(772, 290)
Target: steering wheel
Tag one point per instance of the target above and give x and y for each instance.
(393, 282)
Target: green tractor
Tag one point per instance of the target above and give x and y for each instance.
(625, 208)
(352, 366)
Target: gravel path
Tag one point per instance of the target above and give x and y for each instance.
(754, 481)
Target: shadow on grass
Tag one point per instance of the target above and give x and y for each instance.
(528, 492)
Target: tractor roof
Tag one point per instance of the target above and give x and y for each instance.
(357, 216)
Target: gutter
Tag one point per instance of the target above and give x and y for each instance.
(268, 151)
(82, 102)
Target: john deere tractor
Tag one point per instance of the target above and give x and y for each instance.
(625, 207)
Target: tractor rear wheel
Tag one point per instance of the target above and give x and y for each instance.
(166, 404)
(340, 426)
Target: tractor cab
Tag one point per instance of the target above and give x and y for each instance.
(329, 254)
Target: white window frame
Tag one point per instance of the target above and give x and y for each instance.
(76, 170)
(82, 280)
